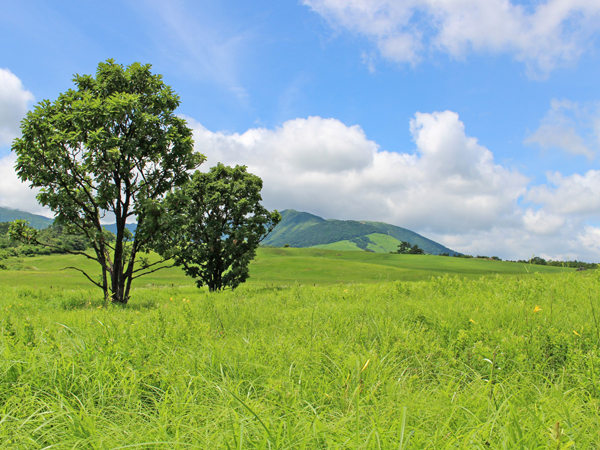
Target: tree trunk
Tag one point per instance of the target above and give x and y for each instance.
(117, 278)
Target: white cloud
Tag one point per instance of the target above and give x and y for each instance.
(449, 189)
(572, 241)
(542, 223)
(16, 194)
(450, 184)
(572, 195)
(14, 99)
(547, 34)
(569, 127)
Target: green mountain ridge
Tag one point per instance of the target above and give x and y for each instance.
(302, 230)
(35, 220)
(40, 222)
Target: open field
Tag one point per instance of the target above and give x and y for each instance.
(478, 362)
(488, 363)
(285, 266)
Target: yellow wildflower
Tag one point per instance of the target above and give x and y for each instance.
(537, 309)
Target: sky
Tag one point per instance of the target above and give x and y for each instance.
(475, 123)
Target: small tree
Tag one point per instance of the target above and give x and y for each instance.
(404, 248)
(219, 224)
(111, 148)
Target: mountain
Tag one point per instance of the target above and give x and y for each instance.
(301, 229)
(292, 222)
(112, 227)
(35, 220)
(40, 222)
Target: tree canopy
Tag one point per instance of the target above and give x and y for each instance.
(404, 248)
(112, 147)
(219, 223)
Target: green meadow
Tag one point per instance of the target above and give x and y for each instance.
(319, 350)
(283, 266)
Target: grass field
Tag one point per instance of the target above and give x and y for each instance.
(473, 361)
(284, 266)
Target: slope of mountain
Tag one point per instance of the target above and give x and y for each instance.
(35, 220)
(402, 234)
(291, 223)
(300, 229)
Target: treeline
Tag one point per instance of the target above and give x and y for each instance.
(536, 260)
(460, 255)
(332, 231)
(573, 264)
(362, 242)
(56, 235)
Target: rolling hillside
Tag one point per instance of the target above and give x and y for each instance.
(302, 230)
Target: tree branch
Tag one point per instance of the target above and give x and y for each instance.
(151, 271)
(150, 265)
(72, 252)
(86, 275)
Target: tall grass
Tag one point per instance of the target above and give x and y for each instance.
(450, 363)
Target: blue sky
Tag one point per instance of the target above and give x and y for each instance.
(473, 122)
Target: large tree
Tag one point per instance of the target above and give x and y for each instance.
(111, 149)
(219, 224)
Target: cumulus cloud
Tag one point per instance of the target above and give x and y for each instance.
(544, 35)
(14, 99)
(572, 241)
(571, 195)
(450, 182)
(448, 188)
(14, 193)
(569, 127)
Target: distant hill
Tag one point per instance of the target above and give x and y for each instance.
(35, 220)
(112, 227)
(292, 223)
(301, 229)
(41, 222)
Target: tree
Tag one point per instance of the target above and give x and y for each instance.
(404, 248)
(110, 148)
(220, 223)
(538, 260)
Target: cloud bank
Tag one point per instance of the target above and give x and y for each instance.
(14, 99)
(14, 102)
(450, 188)
(544, 35)
(570, 127)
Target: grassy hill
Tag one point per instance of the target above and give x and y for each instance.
(302, 230)
(35, 220)
(281, 266)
